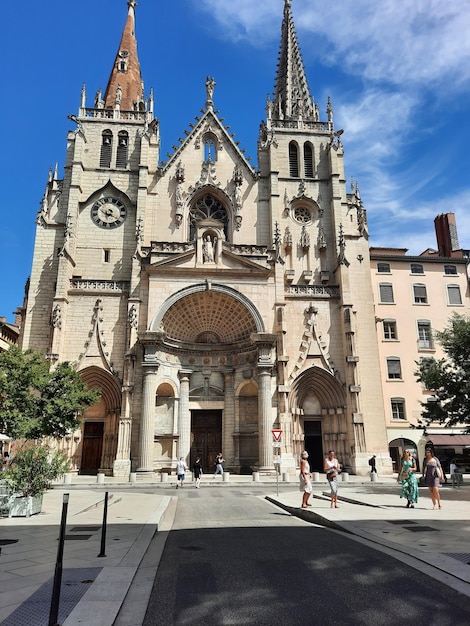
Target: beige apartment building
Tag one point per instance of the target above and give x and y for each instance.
(414, 297)
(213, 301)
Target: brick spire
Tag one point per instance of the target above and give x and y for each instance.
(292, 99)
(125, 89)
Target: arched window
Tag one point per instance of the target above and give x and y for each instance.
(308, 160)
(122, 149)
(106, 148)
(293, 160)
(210, 150)
(207, 206)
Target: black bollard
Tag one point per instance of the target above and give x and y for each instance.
(54, 612)
(103, 528)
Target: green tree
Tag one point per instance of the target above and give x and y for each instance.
(448, 378)
(36, 402)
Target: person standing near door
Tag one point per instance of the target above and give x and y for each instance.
(197, 472)
(219, 459)
(181, 468)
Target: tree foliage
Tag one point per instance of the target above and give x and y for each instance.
(33, 468)
(36, 402)
(448, 378)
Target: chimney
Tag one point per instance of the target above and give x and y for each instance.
(446, 235)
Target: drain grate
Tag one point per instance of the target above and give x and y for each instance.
(35, 610)
(421, 529)
(464, 557)
(77, 537)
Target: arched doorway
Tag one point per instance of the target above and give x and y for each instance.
(98, 445)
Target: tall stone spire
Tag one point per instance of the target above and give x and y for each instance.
(125, 90)
(292, 99)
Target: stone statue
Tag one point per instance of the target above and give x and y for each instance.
(208, 250)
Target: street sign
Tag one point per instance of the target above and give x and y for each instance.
(277, 435)
(277, 444)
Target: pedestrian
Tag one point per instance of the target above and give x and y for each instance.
(455, 475)
(409, 484)
(181, 468)
(332, 468)
(433, 477)
(197, 471)
(305, 479)
(219, 459)
(372, 463)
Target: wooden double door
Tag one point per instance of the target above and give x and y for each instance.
(92, 447)
(206, 438)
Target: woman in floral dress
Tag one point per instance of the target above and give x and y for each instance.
(409, 484)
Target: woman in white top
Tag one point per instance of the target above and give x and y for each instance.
(332, 468)
(305, 478)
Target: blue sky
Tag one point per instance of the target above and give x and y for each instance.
(398, 74)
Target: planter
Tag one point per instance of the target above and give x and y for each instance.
(25, 506)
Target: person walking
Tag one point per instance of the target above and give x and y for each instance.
(219, 459)
(305, 478)
(372, 463)
(181, 468)
(409, 484)
(433, 477)
(332, 468)
(197, 471)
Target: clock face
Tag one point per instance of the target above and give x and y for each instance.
(108, 212)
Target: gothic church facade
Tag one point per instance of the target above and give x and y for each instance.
(211, 302)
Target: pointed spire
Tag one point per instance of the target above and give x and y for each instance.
(292, 99)
(124, 90)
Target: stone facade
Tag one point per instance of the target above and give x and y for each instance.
(210, 301)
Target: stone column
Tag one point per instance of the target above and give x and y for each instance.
(228, 426)
(265, 343)
(265, 419)
(147, 421)
(122, 463)
(184, 417)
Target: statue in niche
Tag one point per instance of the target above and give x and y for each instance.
(118, 94)
(208, 249)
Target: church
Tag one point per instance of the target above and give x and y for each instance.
(211, 301)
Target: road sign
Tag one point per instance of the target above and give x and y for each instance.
(277, 444)
(277, 435)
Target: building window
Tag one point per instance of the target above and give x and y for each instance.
(122, 149)
(308, 160)
(419, 294)
(390, 330)
(386, 293)
(383, 268)
(425, 335)
(393, 368)
(207, 207)
(398, 408)
(302, 215)
(416, 268)
(210, 150)
(450, 270)
(293, 160)
(453, 294)
(106, 148)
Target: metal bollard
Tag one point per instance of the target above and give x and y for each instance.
(256, 477)
(226, 477)
(100, 479)
(164, 477)
(285, 477)
(373, 477)
(345, 477)
(316, 477)
(133, 477)
(67, 479)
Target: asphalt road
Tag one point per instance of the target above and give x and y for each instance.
(232, 558)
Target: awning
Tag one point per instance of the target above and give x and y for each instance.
(449, 440)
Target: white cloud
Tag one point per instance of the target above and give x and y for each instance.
(405, 42)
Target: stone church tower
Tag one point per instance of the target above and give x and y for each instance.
(210, 301)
